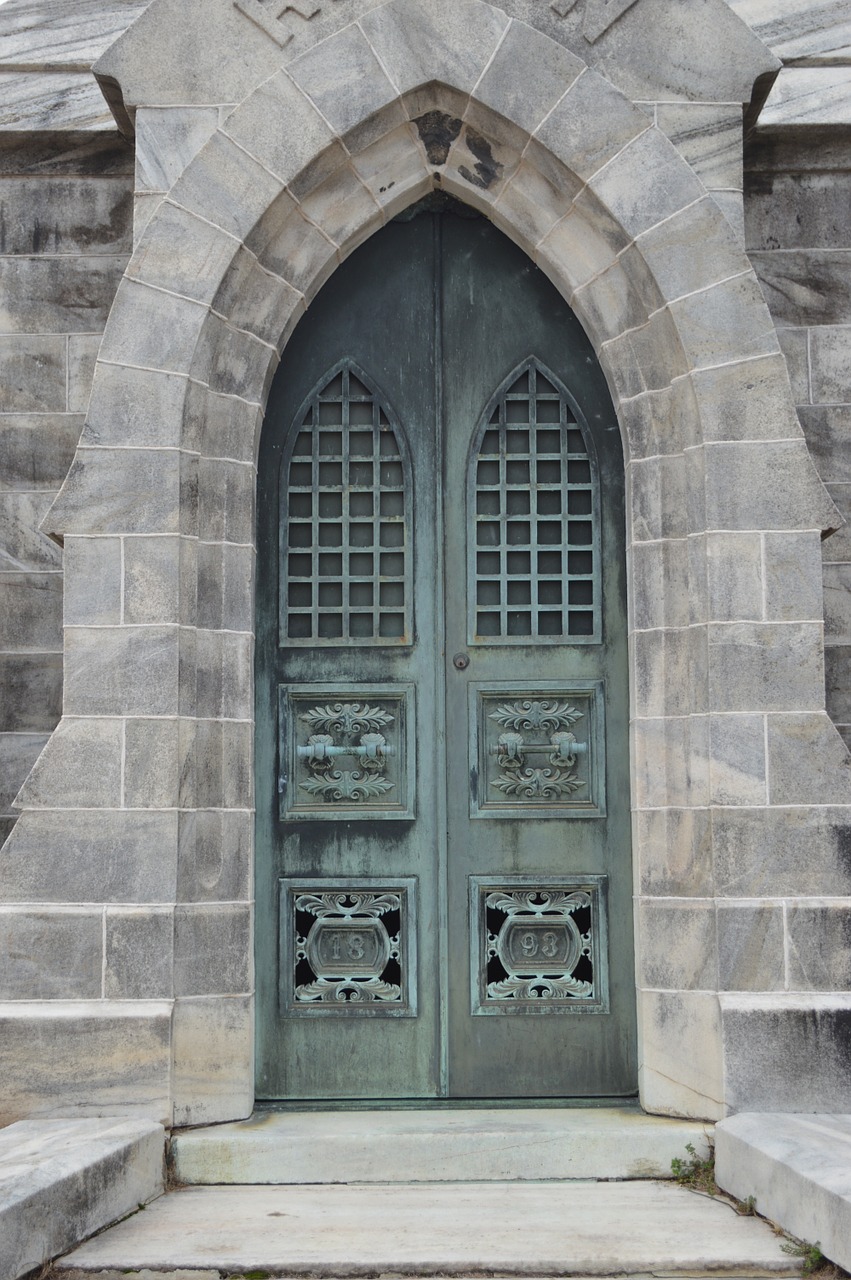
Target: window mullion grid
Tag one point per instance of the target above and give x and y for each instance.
(346, 527)
(534, 540)
(376, 520)
(503, 519)
(314, 516)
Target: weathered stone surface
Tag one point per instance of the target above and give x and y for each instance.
(671, 761)
(138, 407)
(22, 546)
(30, 691)
(86, 1057)
(70, 294)
(63, 1180)
(830, 364)
(819, 946)
(797, 210)
(681, 1072)
(82, 354)
(661, 662)
(152, 328)
(757, 852)
(226, 186)
(828, 433)
(225, 580)
(693, 250)
(231, 361)
(708, 136)
(251, 298)
(620, 298)
(766, 667)
(838, 682)
(681, 956)
(590, 125)
(220, 426)
(526, 76)
(345, 80)
(35, 101)
(51, 955)
(673, 848)
(154, 763)
(18, 754)
(776, 1046)
(837, 603)
(65, 215)
(121, 671)
(750, 947)
(734, 577)
(222, 758)
(345, 210)
(751, 487)
(300, 155)
(792, 577)
(795, 347)
(167, 138)
(32, 373)
(68, 36)
(646, 182)
(138, 960)
(809, 96)
(31, 617)
(80, 768)
(728, 321)
(183, 253)
(214, 856)
(151, 580)
(807, 761)
(37, 449)
(448, 42)
(291, 247)
(660, 576)
(213, 1071)
(737, 766)
(796, 1169)
(92, 581)
(212, 950)
(75, 153)
(119, 491)
(806, 286)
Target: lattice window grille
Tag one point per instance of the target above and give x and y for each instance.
(346, 532)
(534, 496)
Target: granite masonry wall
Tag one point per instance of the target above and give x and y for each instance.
(618, 142)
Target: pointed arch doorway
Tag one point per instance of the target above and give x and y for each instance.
(443, 870)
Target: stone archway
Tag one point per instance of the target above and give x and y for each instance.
(724, 505)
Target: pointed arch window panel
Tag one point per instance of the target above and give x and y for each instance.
(533, 502)
(345, 523)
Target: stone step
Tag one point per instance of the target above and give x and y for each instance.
(495, 1228)
(436, 1146)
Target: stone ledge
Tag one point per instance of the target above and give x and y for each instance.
(797, 1168)
(62, 1180)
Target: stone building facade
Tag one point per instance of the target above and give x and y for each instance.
(681, 175)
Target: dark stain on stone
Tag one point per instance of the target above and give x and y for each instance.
(487, 167)
(438, 131)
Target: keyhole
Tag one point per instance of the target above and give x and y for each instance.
(461, 661)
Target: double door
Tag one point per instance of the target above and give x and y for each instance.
(443, 861)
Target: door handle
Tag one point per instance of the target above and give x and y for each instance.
(562, 748)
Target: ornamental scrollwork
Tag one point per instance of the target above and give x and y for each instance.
(344, 953)
(530, 714)
(348, 720)
(553, 781)
(534, 947)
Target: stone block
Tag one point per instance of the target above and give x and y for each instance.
(527, 75)
(227, 186)
(67, 294)
(678, 948)
(18, 754)
(291, 247)
(231, 361)
(646, 182)
(394, 170)
(152, 763)
(64, 1180)
(22, 546)
(798, 210)
(758, 853)
(167, 139)
(661, 423)
(806, 286)
(661, 667)
(87, 1058)
(751, 487)
(590, 125)
(32, 373)
(30, 691)
(151, 581)
(145, 205)
(692, 250)
(575, 250)
(223, 758)
(660, 584)
(115, 671)
(837, 603)
(451, 41)
(51, 955)
(728, 321)
(103, 856)
(300, 155)
(732, 206)
(819, 946)
(183, 253)
(708, 136)
(82, 354)
(830, 364)
(792, 577)
(226, 508)
(151, 328)
(62, 154)
(746, 401)
(31, 617)
(345, 80)
(796, 1169)
(794, 344)
(92, 581)
(225, 586)
(139, 946)
(670, 762)
(66, 215)
(212, 950)
(37, 449)
(213, 1068)
(534, 199)
(221, 426)
(828, 434)
(622, 297)
(681, 1070)
(750, 947)
(214, 855)
(80, 768)
(807, 761)
(734, 571)
(838, 682)
(766, 666)
(645, 359)
(780, 1049)
(674, 852)
(345, 211)
(119, 490)
(136, 407)
(737, 767)
(251, 298)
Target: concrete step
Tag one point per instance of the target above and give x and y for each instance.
(61, 1180)
(798, 1170)
(435, 1146)
(494, 1228)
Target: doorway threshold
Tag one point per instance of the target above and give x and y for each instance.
(457, 1143)
(262, 1107)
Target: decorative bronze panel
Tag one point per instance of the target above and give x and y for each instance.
(537, 751)
(538, 948)
(348, 947)
(346, 752)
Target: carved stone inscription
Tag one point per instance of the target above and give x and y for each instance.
(348, 946)
(538, 750)
(538, 948)
(345, 753)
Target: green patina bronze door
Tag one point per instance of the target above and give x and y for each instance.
(444, 884)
